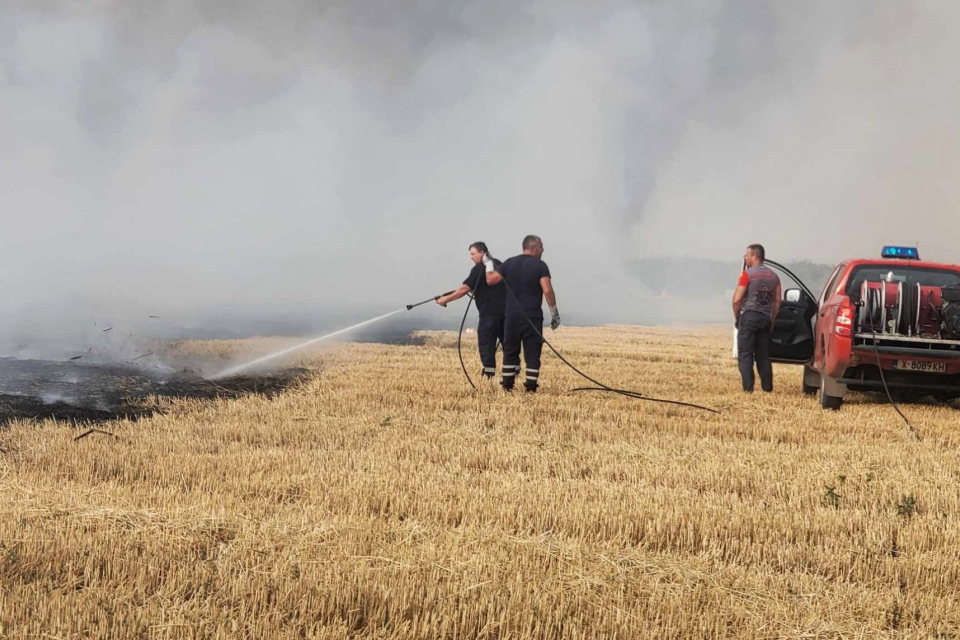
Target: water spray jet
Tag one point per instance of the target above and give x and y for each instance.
(272, 356)
(303, 345)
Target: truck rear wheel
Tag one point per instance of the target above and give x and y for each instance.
(811, 381)
(827, 401)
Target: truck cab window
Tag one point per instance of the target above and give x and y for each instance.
(831, 283)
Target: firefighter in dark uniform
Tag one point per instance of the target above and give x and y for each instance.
(528, 278)
(490, 299)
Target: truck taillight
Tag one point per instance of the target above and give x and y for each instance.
(844, 321)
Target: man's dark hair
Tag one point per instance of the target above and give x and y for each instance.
(757, 250)
(479, 246)
(530, 241)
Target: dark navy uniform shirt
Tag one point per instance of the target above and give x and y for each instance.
(523, 274)
(490, 300)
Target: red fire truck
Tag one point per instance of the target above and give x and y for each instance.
(889, 323)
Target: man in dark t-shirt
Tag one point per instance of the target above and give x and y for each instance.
(756, 302)
(528, 280)
(490, 299)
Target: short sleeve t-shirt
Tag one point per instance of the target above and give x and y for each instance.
(761, 283)
(490, 300)
(523, 274)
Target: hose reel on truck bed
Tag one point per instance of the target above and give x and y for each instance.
(950, 311)
(900, 308)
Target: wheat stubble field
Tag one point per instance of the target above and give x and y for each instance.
(383, 498)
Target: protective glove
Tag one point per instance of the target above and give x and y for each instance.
(554, 318)
(488, 263)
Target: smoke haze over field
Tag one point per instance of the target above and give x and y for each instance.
(233, 165)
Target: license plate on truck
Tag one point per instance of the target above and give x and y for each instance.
(918, 365)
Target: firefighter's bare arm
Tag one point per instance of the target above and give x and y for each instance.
(456, 295)
(551, 297)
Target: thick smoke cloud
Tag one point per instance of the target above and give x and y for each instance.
(239, 167)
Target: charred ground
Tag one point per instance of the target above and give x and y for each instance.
(96, 393)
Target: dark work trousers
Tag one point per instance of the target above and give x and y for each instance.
(518, 333)
(489, 333)
(753, 343)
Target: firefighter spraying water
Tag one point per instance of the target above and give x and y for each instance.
(490, 300)
(527, 282)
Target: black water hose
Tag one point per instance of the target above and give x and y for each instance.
(886, 389)
(883, 378)
(462, 323)
(476, 283)
(639, 396)
(460, 340)
(600, 386)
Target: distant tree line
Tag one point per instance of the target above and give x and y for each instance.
(696, 276)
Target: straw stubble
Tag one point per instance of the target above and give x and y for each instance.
(384, 498)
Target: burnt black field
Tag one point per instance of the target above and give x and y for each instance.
(96, 393)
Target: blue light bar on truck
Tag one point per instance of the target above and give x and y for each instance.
(904, 253)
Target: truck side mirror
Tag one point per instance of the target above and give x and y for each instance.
(791, 295)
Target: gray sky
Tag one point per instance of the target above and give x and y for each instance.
(214, 160)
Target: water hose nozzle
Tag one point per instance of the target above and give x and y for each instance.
(433, 299)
